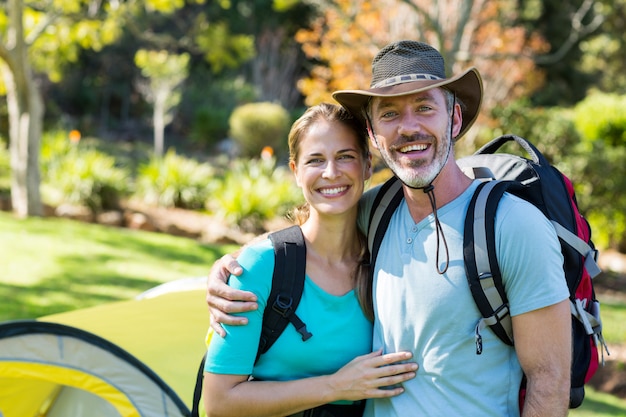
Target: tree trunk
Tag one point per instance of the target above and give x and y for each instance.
(159, 122)
(26, 111)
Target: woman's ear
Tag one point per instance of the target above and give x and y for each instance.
(294, 171)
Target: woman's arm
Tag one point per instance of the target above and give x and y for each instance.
(364, 377)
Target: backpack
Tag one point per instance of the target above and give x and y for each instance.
(538, 182)
(285, 295)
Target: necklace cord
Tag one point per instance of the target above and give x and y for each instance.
(430, 191)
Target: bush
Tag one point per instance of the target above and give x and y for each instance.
(174, 181)
(210, 125)
(81, 175)
(256, 125)
(602, 117)
(587, 144)
(550, 129)
(253, 191)
(599, 167)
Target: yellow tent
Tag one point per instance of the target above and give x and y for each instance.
(132, 358)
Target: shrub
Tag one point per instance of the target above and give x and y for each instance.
(210, 125)
(602, 117)
(82, 175)
(587, 144)
(256, 125)
(174, 181)
(551, 129)
(253, 191)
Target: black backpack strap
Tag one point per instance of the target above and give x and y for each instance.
(287, 287)
(197, 391)
(481, 264)
(385, 203)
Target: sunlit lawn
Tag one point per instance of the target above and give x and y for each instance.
(51, 265)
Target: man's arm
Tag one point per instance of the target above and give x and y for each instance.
(222, 299)
(543, 342)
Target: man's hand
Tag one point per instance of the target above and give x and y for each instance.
(222, 299)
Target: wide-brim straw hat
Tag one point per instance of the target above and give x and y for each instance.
(408, 67)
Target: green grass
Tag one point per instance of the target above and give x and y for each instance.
(50, 265)
(599, 404)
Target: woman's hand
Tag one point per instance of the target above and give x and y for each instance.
(373, 376)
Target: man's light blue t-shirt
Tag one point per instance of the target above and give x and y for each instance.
(434, 316)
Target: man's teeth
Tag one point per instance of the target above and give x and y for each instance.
(418, 147)
(335, 190)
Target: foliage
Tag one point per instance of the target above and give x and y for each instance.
(585, 143)
(601, 121)
(551, 129)
(164, 73)
(254, 126)
(174, 181)
(80, 175)
(602, 117)
(344, 40)
(253, 191)
(209, 101)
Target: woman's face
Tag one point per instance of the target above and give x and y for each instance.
(331, 168)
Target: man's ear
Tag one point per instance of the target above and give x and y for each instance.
(458, 121)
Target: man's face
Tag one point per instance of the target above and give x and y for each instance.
(412, 133)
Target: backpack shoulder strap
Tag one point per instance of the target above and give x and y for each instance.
(481, 264)
(385, 203)
(287, 287)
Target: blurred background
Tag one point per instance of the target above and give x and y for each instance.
(171, 116)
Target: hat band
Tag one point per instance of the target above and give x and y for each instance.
(399, 79)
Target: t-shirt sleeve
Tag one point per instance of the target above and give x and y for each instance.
(236, 352)
(529, 255)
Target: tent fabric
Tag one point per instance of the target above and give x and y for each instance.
(130, 358)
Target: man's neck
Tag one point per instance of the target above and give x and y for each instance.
(450, 184)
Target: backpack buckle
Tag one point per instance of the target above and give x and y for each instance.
(282, 305)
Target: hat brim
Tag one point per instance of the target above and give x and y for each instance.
(467, 86)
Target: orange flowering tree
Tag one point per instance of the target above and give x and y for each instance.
(482, 33)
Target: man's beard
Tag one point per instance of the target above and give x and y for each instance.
(421, 173)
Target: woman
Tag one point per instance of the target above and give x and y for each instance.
(330, 160)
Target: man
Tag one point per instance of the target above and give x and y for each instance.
(422, 301)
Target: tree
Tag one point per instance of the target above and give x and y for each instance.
(24, 30)
(481, 33)
(25, 107)
(492, 35)
(164, 72)
(38, 39)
